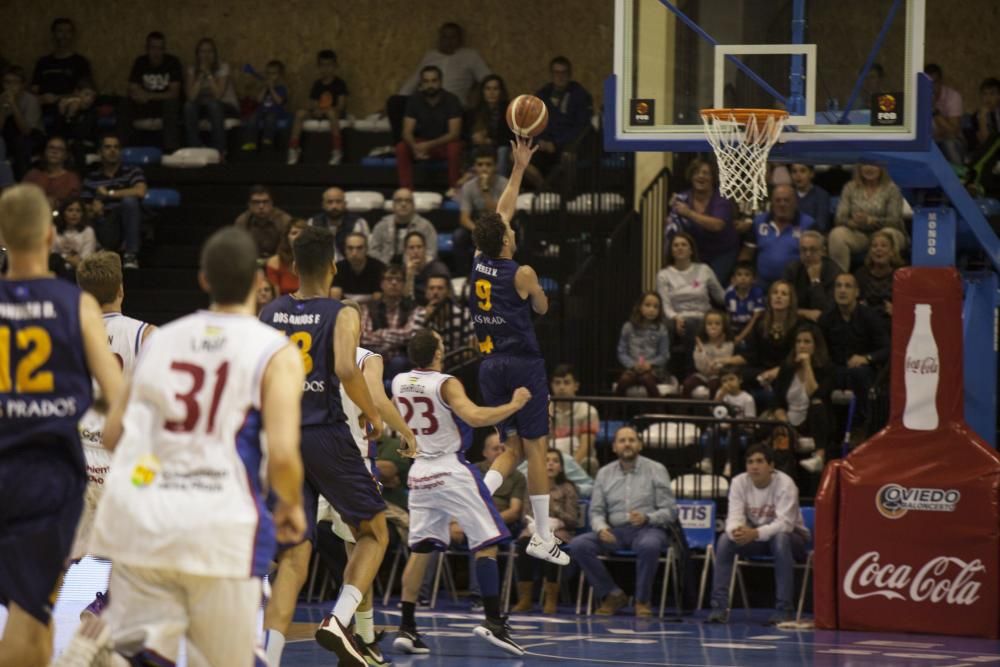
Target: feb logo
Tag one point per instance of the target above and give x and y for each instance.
(893, 501)
(887, 109)
(886, 103)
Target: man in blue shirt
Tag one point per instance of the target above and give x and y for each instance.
(115, 193)
(776, 235)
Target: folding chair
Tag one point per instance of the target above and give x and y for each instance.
(698, 521)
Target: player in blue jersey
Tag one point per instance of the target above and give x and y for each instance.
(327, 334)
(502, 299)
(52, 340)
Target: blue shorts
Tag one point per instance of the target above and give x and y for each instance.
(42, 501)
(498, 378)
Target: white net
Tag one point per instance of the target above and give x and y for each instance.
(742, 141)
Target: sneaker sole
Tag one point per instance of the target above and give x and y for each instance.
(484, 633)
(403, 646)
(334, 643)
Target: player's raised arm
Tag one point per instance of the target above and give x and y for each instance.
(475, 415)
(386, 408)
(521, 151)
(527, 286)
(102, 362)
(345, 350)
(281, 411)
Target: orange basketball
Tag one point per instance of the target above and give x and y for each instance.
(527, 116)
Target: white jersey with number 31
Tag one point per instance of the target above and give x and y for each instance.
(438, 429)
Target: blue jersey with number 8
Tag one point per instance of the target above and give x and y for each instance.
(501, 317)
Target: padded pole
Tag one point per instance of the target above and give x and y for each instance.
(876, 47)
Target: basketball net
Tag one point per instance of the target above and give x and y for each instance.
(742, 140)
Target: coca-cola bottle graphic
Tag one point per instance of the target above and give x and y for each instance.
(921, 373)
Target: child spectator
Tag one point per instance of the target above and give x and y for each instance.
(279, 265)
(814, 201)
(20, 120)
(742, 406)
(984, 122)
(78, 118)
(327, 100)
(573, 425)
(75, 239)
(744, 302)
(644, 346)
(712, 346)
(271, 101)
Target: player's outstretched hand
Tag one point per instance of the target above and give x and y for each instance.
(409, 444)
(289, 523)
(522, 149)
(372, 425)
(521, 397)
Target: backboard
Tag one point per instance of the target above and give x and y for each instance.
(847, 71)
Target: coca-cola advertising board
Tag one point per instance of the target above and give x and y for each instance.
(908, 525)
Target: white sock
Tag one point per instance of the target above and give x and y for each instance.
(540, 508)
(274, 643)
(347, 604)
(493, 480)
(364, 625)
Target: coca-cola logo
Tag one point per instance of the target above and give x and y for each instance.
(922, 365)
(893, 501)
(944, 579)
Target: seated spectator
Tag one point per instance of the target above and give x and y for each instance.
(389, 323)
(812, 276)
(947, 116)
(776, 235)
(210, 92)
(644, 346)
(874, 277)
(731, 393)
(688, 288)
(744, 302)
(59, 183)
(802, 393)
(486, 123)
(707, 216)
(432, 128)
(583, 482)
(20, 120)
(265, 221)
(418, 268)
(75, 239)
(984, 122)
(271, 100)
(763, 520)
(859, 343)
(814, 201)
(60, 73)
(339, 220)
(265, 291)
(712, 347)
(327, 101)
(154, 90)
(869, 202)
(359, 276)
(449, 317)
(114, 192)
(563, 519)
(631, 506)
(478, 195)
(278, 266)
(573, 425)
(77, 119)
(570, 108)
(388, 239)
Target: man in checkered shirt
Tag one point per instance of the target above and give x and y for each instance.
(449, 318)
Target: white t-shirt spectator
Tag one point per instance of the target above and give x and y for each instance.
(742, 403)
(949, 104)
(471, 199)
(688, 293)
(771, 510)
(460, 71)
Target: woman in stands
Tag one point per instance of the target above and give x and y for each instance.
(75, 239)
(487, 121)
(870, 202)
(875, 275)
(210, 92)
(563, 519)
(279, 265)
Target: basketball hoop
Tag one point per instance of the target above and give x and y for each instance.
(742, 140)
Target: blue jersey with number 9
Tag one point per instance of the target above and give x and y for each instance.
(501, 317)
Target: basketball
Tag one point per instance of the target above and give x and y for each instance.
(527, 116)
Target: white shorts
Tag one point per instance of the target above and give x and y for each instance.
(326, 512)
(151, 610)
(98, 465)
(446, 488)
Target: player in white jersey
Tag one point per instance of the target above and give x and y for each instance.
(211, 425)
(444, 486)
(100, 275)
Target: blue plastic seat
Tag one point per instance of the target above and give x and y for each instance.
(141, 155)
(446, 243)
(162, 198)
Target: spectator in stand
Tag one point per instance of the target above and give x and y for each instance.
(154, 90)
(418, 268)
(814, 201)
(388, 239)
(75, 239)
(327, 101)
(20, 120)
(359, 276)
(812, 276)
(432, 128)
(764, 519)
(570, 108)
(741, 406)
(486, 124)
(451, 319)
(802, 392)
(271, 100)
(712, 347)
(573, 425)
(478, 195)
(210, 92)
(265, 221)
(631, 506)
(776, 235)
(77, 120)
(60, 73)
(947, 116)
(874, 277)
(265, 291)
(984, 122)
(869, 202)
(707, 216)
(744, 302)
(644, 346)
(278, 266)
(859, 342)
(114, 192)
(389, 323)
(563, 519)
(59, 183)
(461, 67)
(688, 288)
(339, 220)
